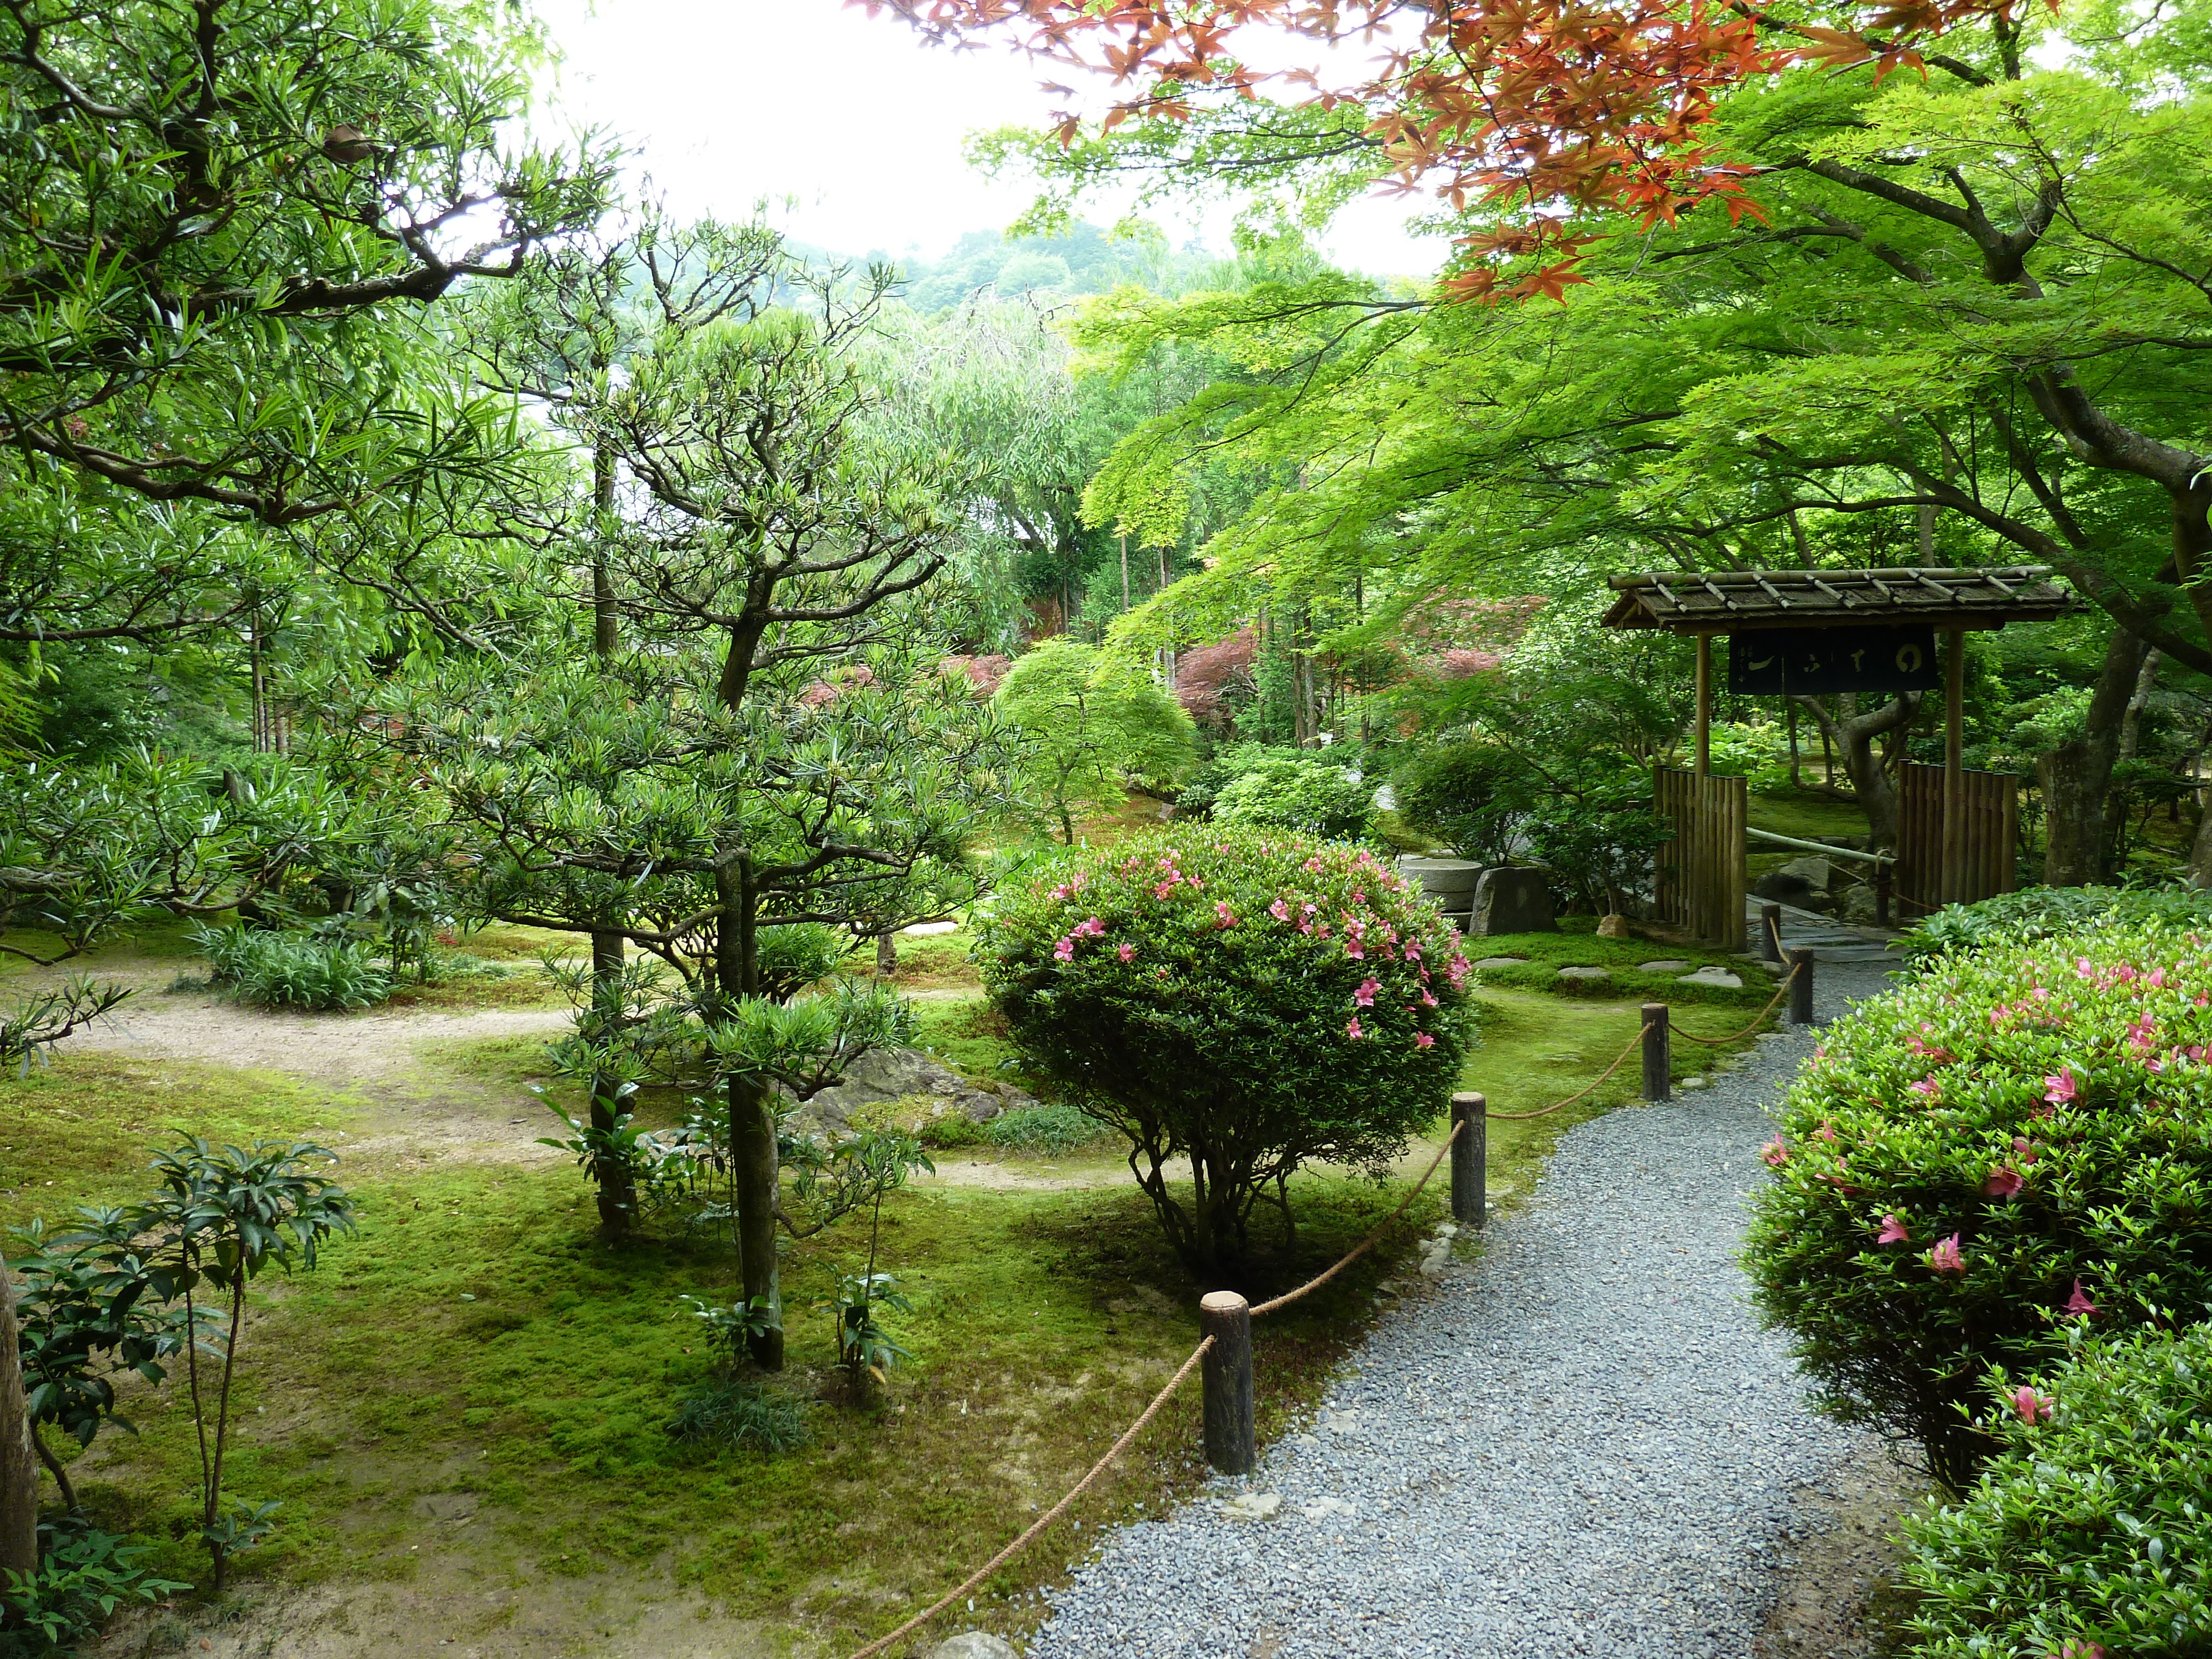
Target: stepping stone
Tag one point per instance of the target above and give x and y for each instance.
(925, 928)
(1719, 976)
(1501, 962)
(1695, 1083)
(1664, 965)
(1252, 1506)
(974, 1644)
(1587, 975)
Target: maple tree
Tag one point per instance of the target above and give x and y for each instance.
(1539, 111)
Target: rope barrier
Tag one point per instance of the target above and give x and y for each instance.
(1634, 1043)
(1048, 1516)
(1757, 1021)
(1361, 1248)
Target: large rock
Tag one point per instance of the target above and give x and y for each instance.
(887, 1074)
(1508, 899)
(1779, 887)
(1817, 873)
(1451, 881)
(973, 1645)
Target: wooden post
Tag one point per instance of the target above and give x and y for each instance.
(1470, 1153)
(1883, 876)
(1954, 779)
(1770, 932)
(1801, 986)
(1658, 1054)
(1230, 1444)
(1704, 705)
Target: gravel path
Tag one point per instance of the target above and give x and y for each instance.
(1582, 1444)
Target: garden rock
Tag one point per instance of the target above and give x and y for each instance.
(1712, 975)
(1664, 965)
(1252, 1506)
(887, 1074)
(1449, 881)
(1859, 906)
(1587, 975)
(1501, 962)
(1512, 901)
(1612, 927)
(1778, 888)
(1816, 873)
(973, 1645)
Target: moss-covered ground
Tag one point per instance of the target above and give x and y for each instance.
(472, 1391)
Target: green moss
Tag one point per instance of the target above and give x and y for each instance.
(1548, 953)
(1801, 813)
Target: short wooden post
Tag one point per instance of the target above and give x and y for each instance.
(1770, 932)
(1883, 880)
(1658, 1054)
(1231, 1446)
(1801, 986)
(1470, 1154)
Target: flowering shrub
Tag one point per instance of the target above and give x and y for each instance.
(2089, 1536)
(2011, 1143)
(1245, 1000)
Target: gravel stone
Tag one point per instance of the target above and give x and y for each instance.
(1579, 1445)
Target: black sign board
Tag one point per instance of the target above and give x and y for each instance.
(1810, 662)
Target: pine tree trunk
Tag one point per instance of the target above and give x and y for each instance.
(752, 1120)
(19, 1461)
(2077, 775)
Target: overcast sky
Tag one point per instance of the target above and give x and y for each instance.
(730, 101)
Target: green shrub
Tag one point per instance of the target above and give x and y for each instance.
(949, 1131)
(83, 1576)
(292, 971)
(2004, 1144)
(731, 1415)
(2035, 913)
(1246, 1000)
(1049, 1127)
(2090, 1533)
(1470, 795)
(1306, 792)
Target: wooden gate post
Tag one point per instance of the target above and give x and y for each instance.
(1658, 1054)
(1470, 1153)
(1231, 1445)
(1801, 986)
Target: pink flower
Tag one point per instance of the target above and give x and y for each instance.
(2142, 1035)
(1352, 1030)
(2073, 1650)
(1352, 949)
(1091, 926)
(2079, 1303)
(1423, 1039)
(1427, 1002)
(1413, 950)
(1456, 972)
(2082, 969)
(1775, 1153)
(1364, 996)
(2025, 1152)
(1165, 887)
(1280, 911)
(1126, 953)
(2033, 1407)
(2060, 1088)
(1065, 950)
(1947, 1257)
(1892, 1230)
(1223, 917)
(1927, 1087)
(2002, 1183)
(2157, 979)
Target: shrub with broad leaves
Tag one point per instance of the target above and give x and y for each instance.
(1245, 1001)
(2010, 1144)
(2089, 1533)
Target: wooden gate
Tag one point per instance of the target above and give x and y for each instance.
(1698, 877)
(1991, 804)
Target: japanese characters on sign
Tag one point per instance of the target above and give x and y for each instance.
(1812, 661)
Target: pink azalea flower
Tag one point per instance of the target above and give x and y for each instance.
(1947, 1257)
(1423, 1039)
(2025, 1152)
(2079, 1303)
(1892, 1230)
(1091, 926)
(1413, 950)
(2157, 978)
(2002, 1183)
(1065, 950)
(1427, 1002)
(1280, 911)
(1126, 953)
(1826, 1132)
(1352, 949)
(1352, 1030)
(2060, 1088)
(2073, 1650)
(1223, 917)
(2082, 969)
(1775, 1153)
(2142, 1035)
(1456, 972)
(1927, 1087)
(1364, 996)
(2033, 1407)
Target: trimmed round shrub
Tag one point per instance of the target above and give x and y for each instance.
(1242, 1000)
(2010, 1143)
(1307, 794)
(2090, 1532)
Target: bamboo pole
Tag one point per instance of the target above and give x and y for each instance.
(1704, 705)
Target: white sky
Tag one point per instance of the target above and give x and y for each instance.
(731, 101)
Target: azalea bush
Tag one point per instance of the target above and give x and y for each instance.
(2089, 1534)
(2010, 1144)
(2036, 913)
(1240, 1001)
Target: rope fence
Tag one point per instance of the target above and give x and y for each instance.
(1225, 1351)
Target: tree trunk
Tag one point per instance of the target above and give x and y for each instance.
(2078, 775)
(2116, 826)
(606, 617)
(752, 1120)
(19, 1461)
(617, 1190)
(1854, 733)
